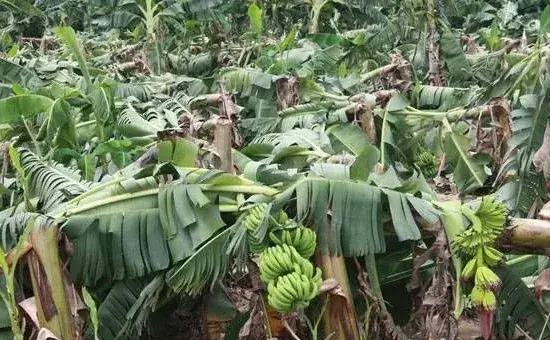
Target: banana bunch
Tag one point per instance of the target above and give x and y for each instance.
(492, 256)
(428, 164)
(486, 278)
(485, 282)
(283, 259)
(292, 279)
(487, 223)
(303, 239)
(488, 256)
(293, 291)
(281, 217)
(254, 219)
(483, 298)
(277, 261)
(492, 214)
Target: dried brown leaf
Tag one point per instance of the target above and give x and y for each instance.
(544, 213)
(287, 92)
(433, 318)
(29, 306)
(542, 283)
(542, 156)
(45, 334)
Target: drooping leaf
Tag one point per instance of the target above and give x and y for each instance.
(545, 20)
(53, 183)
(68, 35)
(102, 103)
(132, 124)
(116, 247)
(352, 138)
(402, 218)
(469, 172)
(14, 73)
(309, 115)
(396, 103)
(442, 98)
(255, 17)
(518, 307)
(207, 265)
(185, 153)
(24, 6)
(355, 228)
(507, 12)
(305, 138)
(528, 126)
(12, 226)
(92, 308)
(248, 82)
(23, 106)
(128, 306)
(138, 229)
(529, 122)
(59, 127)
(455, 60)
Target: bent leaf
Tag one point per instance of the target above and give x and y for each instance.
(13, 73)
(468, 171)
(14, 108)
(68, 35)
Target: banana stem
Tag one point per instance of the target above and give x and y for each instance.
(38, 149)
(248, 189)
(314, 329)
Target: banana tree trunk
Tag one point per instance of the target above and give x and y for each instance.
(526, 236)
(340, 320)
(223, 136)
(435, 75)
(52, 301)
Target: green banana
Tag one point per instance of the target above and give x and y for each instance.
(492, 256)
(487, 223)
(469, 269)
(292, 281)
(428, 164)
(483, 298)
(493, 214)
(274, 262)
(485, 277)
(281, 293)
(301, 238)
(296, 283)
(477, 226)
(253, 220)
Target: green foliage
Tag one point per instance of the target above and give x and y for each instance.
(52, 183)
(469, 172)
(23, 106)
(455, 60)
(334, 126)
(517, 306)
(125, 301)
(13, 73)
(68, 35)
(528, 126)
(255, 16)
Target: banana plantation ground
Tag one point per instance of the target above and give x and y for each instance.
(262, 169)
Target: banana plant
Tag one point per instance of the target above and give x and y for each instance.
(340, 136)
